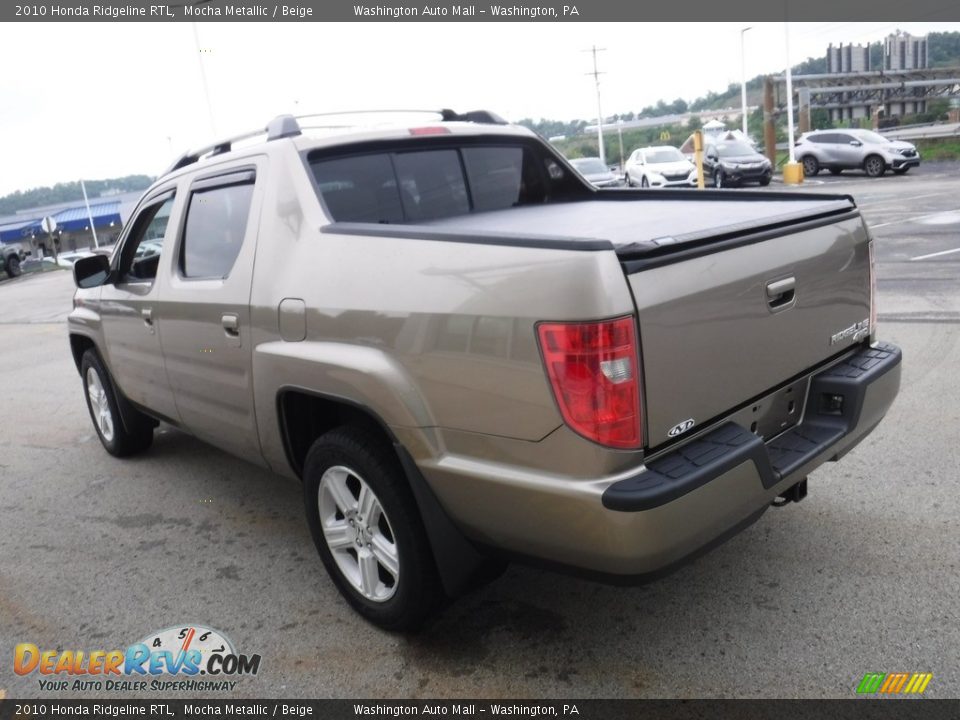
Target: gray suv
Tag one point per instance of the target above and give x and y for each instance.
(839, 150)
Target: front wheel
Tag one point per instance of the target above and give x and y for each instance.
(874, 166)
(13, 266)
(367, 529)
(116, 438)
(811, 166)
(644, 183)
(718, 179)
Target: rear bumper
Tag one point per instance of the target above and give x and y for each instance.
(641, 524)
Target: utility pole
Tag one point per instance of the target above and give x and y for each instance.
(743, 78)
(596, 78)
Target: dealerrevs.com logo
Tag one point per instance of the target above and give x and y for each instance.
(188, 657)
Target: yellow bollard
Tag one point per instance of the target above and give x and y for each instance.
(792, 173)
(698, 156)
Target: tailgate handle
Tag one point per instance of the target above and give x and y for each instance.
(781, 292)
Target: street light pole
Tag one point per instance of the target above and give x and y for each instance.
(743, 77)
(786, 29)
(596, 78)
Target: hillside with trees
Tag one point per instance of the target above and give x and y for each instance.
(71, 192)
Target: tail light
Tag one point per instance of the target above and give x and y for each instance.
(593, 372)
(873, 290)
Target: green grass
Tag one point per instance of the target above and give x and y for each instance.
(939, 148)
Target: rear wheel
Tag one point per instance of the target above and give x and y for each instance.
(874, 166)
(811, 166)
(628, 179)
(13, 266)
(368, 531)
(118, 438)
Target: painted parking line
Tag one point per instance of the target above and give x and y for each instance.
(901, 199)
(936, 254)
(914, 218)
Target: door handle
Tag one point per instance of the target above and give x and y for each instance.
(781, 293)
(231, 324)
(147, 315)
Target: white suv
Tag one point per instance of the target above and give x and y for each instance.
(662, 166)
(839, 150)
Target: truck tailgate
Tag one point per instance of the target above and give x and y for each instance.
(723, 324)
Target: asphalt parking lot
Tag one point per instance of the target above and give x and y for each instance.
(862, 576)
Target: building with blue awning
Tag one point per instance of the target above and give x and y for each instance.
(73, 223)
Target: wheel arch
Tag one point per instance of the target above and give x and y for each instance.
(305, 415)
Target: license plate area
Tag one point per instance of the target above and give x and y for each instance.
(772, 414)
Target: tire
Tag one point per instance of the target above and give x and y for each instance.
(118, 439)
(765, 180)
(644, 183)
(629, 180)
(367, 529)
(718, 178)
(811, 166)
(874, 166)
(836, 171)
(13, 266)
(901, 171)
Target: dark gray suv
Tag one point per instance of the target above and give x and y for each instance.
(839, 150)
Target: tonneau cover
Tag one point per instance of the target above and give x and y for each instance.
(644, 221)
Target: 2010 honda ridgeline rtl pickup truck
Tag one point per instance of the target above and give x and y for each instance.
(466, 353)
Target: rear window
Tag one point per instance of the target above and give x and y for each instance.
(429, 184)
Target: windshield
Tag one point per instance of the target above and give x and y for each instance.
(590, 166)
(871, 137)
(732, 149)
(667, 155)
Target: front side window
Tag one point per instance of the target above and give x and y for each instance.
(214, 231)
(140, 256)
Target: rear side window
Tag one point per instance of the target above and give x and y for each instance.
(216, 225)
(423, 185)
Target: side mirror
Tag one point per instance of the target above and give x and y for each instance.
(614, 169)
(856, 143)
(712, 157)
(92, 271)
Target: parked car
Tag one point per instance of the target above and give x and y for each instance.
(734, 163)
(10, 261)
(662, 166)
(593, 169)
(466, 353)
(839, 150)
(35, 264)
(67, 259)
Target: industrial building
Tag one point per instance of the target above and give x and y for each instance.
(901, 52)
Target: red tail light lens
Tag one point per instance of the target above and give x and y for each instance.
(593, 372)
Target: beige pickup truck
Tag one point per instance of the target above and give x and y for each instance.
(467, 354)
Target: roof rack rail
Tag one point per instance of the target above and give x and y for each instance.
(285, 126)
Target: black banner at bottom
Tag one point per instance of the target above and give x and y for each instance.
(892, 709)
